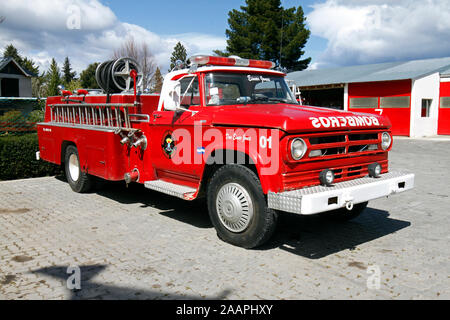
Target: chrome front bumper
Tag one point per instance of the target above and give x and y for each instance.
(317, 199)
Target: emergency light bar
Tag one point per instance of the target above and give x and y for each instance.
(231, 62)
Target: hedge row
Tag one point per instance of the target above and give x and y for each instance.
(18, 158)
(14, 122)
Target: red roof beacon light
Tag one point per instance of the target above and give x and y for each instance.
(82, 92)
(232, 61)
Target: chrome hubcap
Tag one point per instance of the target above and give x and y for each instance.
(235, 207)
(74, 167)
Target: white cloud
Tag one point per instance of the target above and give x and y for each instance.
(38, 28)
(197, 43)
(371, 31)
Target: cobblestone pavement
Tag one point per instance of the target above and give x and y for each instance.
(132, 243)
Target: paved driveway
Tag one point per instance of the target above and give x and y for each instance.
(131, 243)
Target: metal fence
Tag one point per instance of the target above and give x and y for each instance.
(20, 115)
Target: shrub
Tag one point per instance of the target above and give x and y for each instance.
(18, 158)
(14, 122)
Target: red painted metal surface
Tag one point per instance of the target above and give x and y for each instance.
(444, 113)
(400, 117)
(237, 126)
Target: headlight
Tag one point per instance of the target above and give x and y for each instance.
(386, 140)
(298, 148)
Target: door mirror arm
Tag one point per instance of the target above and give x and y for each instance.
(186, 109)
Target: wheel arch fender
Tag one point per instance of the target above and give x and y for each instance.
(222, 156)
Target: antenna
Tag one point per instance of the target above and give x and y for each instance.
(281, 41)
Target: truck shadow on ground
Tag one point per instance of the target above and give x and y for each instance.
(312, 237)
(315, 237)
(191, 212)
(90, 289)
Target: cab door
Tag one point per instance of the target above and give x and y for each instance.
(175, 133)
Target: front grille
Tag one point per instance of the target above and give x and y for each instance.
(363, 136)
(296, 180)
(348, 154)
(326, 139)
(328, 145)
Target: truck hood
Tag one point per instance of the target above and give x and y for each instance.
(296, 118)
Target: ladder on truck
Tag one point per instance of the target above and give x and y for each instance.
(98, 115)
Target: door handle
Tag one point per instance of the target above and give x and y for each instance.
(156, 116)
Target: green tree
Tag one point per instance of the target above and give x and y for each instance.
(179, 53)
(68, 75)
(263, 29)
(73, 85)
(28, 64)
(11, 52)
(53, 79)
(157, 81)
(87, 77)
(39, 86)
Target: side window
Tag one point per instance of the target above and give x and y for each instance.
(190, 94)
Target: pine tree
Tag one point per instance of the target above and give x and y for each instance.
(11, 52)
(28, 64)
(263, 29)
(53, 79)
(179, 53)
(87, 77)
(68, 75)
(157, 81)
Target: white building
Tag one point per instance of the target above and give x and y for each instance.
(14, 80)
(415, 95)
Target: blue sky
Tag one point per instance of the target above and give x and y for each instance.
(197, 16)
(343, 32)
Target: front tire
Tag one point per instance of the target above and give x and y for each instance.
(78, 180)
(238, 209)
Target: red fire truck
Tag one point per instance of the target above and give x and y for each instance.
(228, 130)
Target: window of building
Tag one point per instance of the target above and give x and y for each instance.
(364, 102)
(445, 102)
(426, 106)
(395, 102)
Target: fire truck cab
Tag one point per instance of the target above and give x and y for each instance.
(226, 129)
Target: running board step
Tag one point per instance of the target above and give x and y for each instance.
(176, 190)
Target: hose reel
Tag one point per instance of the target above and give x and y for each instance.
(114, 76)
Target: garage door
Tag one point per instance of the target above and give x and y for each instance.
(389, 98)
(444, 109)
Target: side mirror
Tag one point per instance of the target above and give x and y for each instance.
(172, 97)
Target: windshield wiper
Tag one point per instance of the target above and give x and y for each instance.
(282, 100)
(261, 98)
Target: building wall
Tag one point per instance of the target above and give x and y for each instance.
(425, 88)
(24, 84)
(25, 87)
(372, 97)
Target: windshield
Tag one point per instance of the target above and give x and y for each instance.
(241, 88)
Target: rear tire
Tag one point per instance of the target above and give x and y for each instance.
(345, 215)
(238, 208)
(78, 180)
